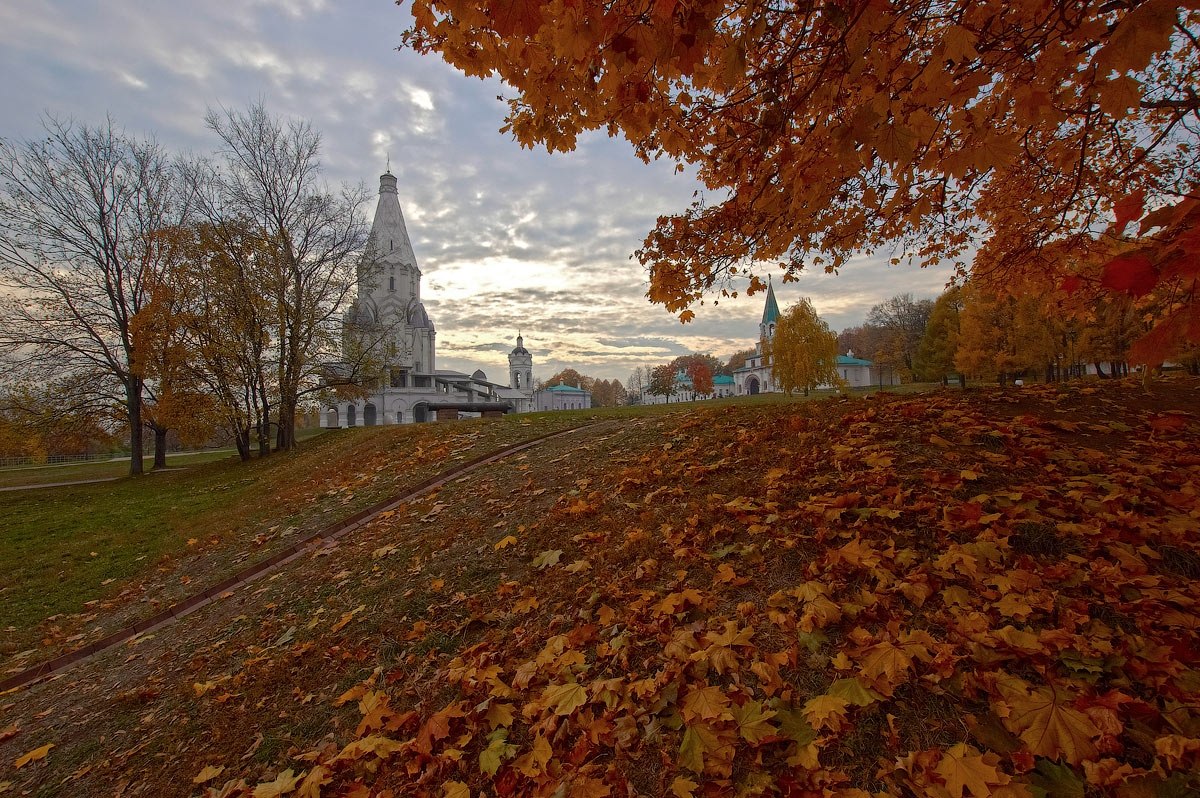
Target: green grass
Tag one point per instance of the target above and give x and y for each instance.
(109, 469)
(100, 469)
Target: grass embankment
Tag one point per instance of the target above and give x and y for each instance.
(958, 594)
(78, 562)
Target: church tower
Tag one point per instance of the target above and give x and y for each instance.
(770, 317)
(389, 287)
(520, 367)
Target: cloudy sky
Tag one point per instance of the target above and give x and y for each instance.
(507, 238)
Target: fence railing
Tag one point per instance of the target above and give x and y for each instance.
(54, 459)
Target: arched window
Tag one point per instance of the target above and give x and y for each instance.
(350, 417)
(516, 379)
(369, 415)
(331, 418)
(391, 283)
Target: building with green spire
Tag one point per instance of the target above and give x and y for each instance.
(755, 374)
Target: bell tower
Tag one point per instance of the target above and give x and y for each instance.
(520, 367)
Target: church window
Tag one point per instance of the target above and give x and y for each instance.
(391, 245)
(391, 283)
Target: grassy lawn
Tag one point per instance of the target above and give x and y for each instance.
(100, 469)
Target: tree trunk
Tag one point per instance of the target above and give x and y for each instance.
(133, 406)
(160, 447)
(241, 439)
(286, 434)
(1099, 370)
(962, 380)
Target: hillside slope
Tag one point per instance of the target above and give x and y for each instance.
(956, 594)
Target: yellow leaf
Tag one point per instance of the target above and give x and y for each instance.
(346, 618)
(753, 724)
(499, 715)
(284, 783)
(825, 711)
(35, 755)
(683, 787)
(964, 768)
(698, 742)
(547, 558)
(455, 789)
(885, 660)
(564, 698)
(317, 778)
(706, 703)
(533, 764)
(209, 773)
(503, 543)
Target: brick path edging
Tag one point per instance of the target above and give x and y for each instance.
(309, 542)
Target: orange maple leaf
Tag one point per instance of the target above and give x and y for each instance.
(1046, 724)
(964, 768)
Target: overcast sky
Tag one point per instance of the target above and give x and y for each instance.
(507, 238)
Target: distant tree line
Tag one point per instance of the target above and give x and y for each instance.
(605, 393)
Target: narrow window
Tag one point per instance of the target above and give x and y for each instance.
(391, 283)
(391, 245)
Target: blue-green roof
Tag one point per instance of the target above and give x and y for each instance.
(771, 309)
(845, 360)
(571, 388)
(722, 379)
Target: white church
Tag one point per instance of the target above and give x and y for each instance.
(388, 319)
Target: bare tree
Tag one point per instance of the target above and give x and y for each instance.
(268, 180)
(902, 321)
(78, 214)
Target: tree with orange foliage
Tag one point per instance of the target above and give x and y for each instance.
(926, 129)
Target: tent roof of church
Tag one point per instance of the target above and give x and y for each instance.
(771, 307)
(387, 229)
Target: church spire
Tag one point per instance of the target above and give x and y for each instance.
(771, 308)
(388, 233)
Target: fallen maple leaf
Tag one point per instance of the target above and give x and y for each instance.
(964, 768)
(284, 783)
(754, 724)
(547, 558)
(35, 755)
(683, 787)
(455, 789)
(825, 711)
(564, 698)
(706, 703)
(503, 543)
(317, 778)
(1050, 728)
(209, 773)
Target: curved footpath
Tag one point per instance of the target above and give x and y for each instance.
(250, 573)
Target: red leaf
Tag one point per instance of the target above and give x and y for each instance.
(1133, 274)
(1129, 209)
(1070, 284)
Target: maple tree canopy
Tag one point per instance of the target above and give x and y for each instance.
(831, 128)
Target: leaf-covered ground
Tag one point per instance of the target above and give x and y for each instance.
(956, 594)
